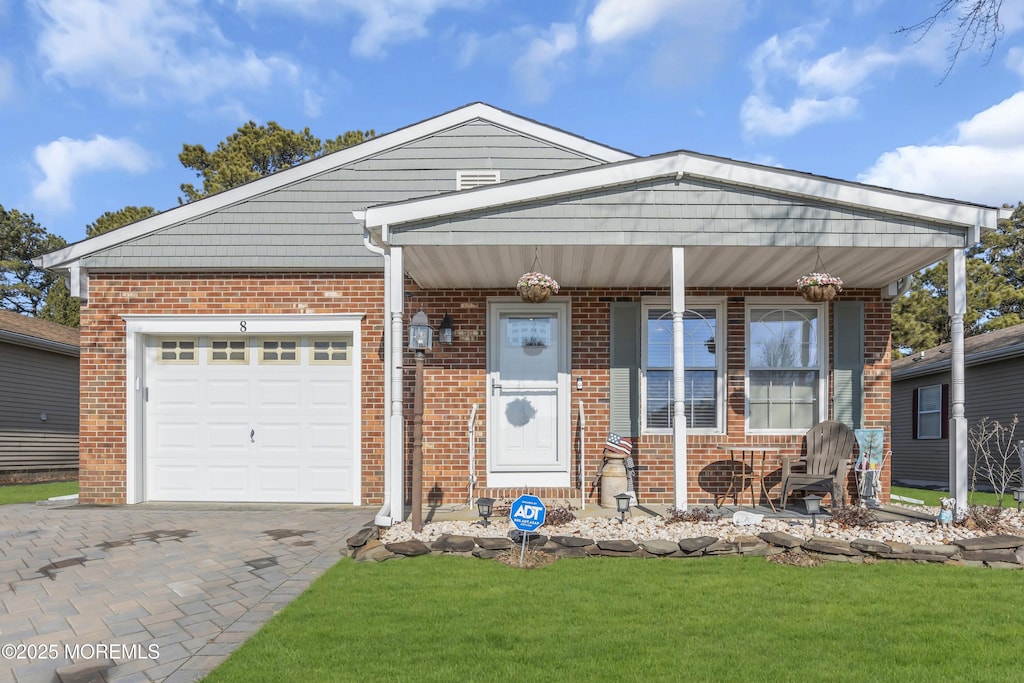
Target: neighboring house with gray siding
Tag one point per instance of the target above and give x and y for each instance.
(38, 394)
(994, 376)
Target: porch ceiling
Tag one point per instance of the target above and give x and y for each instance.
(486, 267)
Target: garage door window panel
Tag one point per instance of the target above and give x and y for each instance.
(331, 351)
(229, 351)
(279, 351)
(178, 351)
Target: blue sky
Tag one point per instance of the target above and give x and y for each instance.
(98, 96)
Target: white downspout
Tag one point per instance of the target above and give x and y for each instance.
(396, 422)
(384, 517)
(472, 452)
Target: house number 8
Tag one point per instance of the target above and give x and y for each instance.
(241, 326)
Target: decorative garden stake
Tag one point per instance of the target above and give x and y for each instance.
(819, 286)
(536, 288)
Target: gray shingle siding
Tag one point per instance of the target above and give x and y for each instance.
(309, 225)
(37, 382)
(991, 390)
(682, 213)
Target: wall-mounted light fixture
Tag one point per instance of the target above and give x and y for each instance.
(447, 330)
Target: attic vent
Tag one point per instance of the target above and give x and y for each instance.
(465, 180)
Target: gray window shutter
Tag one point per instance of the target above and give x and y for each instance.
(625, 368)
(848, 362)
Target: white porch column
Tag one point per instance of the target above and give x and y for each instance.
(957, 289)
(678, 384)
(396, 456)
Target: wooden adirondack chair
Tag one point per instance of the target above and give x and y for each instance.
(823, 468)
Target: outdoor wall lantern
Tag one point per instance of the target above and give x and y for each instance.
(421, 337)
(622, 505)
(447, 330)
(483, 508)
(813, 505)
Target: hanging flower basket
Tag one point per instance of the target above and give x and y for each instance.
(819, 287)
(536, 288)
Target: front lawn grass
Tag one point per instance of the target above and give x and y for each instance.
(611, 619)
(932, 497)
(29, 493)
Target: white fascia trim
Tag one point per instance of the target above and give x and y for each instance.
(254, 324)
(325, 163)
(687, 165)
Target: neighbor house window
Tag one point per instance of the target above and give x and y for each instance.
(785, 367)
(702, 368)
(929, 412)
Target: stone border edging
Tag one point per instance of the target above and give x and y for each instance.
(1001, 552)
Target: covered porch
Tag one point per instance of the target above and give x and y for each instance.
(677, 279)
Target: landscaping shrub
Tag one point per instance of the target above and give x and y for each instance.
(850, 516)
(704, 514)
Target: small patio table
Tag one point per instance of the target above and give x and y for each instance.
(746, 455)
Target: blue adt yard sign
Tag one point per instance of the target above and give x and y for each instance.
(527, 513)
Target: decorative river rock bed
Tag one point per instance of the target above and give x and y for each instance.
(1000, 547)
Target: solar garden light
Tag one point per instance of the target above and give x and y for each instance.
(483, 508)
(813, 505)
(622, 505)
(1018, 495)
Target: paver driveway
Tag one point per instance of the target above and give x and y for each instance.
(165, 592)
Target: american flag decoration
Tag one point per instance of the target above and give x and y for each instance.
(619, 444)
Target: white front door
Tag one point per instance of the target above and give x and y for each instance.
(528, 409)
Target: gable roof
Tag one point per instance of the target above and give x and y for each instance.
(25, 331)
(62, 259)
(726, 213)
(688, 165)
(981, 348)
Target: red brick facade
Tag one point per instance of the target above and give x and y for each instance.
(455, 378)
(103, 414)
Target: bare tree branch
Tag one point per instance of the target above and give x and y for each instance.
(977, 25)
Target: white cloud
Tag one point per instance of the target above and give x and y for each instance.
(129, 48)
(620, 19)
(1015, 60)
(984, 164)
(824, 88)
(536, 70)
(383, 21)
(312, 103)
(760, 115)
(65, 158)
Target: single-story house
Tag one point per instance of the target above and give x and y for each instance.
(38, 394)
(252, 346)
(993, 377)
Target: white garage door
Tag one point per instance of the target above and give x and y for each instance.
(265, 419)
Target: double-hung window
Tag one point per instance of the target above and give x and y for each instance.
(703, 351)
(785, 367)
(929, 415)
